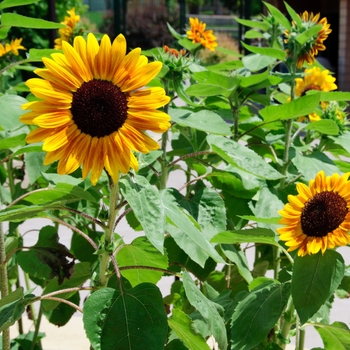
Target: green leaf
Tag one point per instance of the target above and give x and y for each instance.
(63, 312)
(35, 165)
(185, 329)
(207, 309)
(310, 165)
(16, 20)
(204, 120)
(210, 212)
(296, 108)
(188, 226)
(14, 141)
(10, 106)
(239, 259)
(308, 34)
(343, 140)
(278, 15)
(256, 62)
(324, 126)
(335, 336)
(12, 307)
(147, 205)
(254, 79)
(271, 221)
(174, 33)
(21, 212)
(12, 3)
(314, 280)
(293, 14)
(253, 24)
(27, 149)
(81, 274)
(253, 235)
(36, 55)
(47, 258)
(141, 253)
(204, 90)
(4, 31)
(266, 51)
(335, 96)
(242, 157)
(130, 320)
(253, 34)
(257, 314)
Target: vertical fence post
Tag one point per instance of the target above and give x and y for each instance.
(117, 24)
(182, 4)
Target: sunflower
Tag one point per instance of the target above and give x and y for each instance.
(11, 47)
(199, 35)
(93, 107)
(314, 79)
(67, 33)
(309, 50)
(318, 217)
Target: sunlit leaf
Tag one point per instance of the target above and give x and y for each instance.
(16, 20)
(12, 3)
(266, 51)
(207, 309)
(335, 336)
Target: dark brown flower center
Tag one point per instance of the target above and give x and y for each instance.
(310, 87)
(99, 108)
(323, 213)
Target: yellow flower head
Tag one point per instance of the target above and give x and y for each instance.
(13, 47)
(309, 50)
(66, 34)
(318, 217)
(199, 35)
(315, 79)
(93, 107)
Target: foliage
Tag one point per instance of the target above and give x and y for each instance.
(248, 151)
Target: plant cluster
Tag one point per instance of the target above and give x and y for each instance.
(263, 145)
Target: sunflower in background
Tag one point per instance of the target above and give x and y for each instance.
(315, 79)
(199, 35)
(93, 107)
(318, 218)
(11, 47)
(308, 51)
(70, 31)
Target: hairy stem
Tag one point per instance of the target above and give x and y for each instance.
(108, 237)
(4, 286)
(37, 328)
(287, 324)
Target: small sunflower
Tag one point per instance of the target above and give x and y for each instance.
(11, 47)
(67, 33)
(174, 52)
(314, 79)
(318, 217)
(94, 107)
(199, 35)
(309, 50)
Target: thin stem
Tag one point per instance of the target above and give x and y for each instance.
(86, 216)
(73, 228)
(117, 272)
(4, 286)
(190, 155)
(61, 291)
(64, 301)
(193, 180)
(165, 137)
(108, 237)
(26, 194)
(37, 327)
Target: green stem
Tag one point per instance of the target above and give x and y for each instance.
(4, 286)
(164, 163)
(302, 335)
(108, 237)
(287, 324)
(37, 328)
(276, 261)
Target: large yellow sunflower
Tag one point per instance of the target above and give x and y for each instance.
(94, 109)
(309, 50)
(314, 79)
(199, 35)
(318, 217)
(67, 33)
